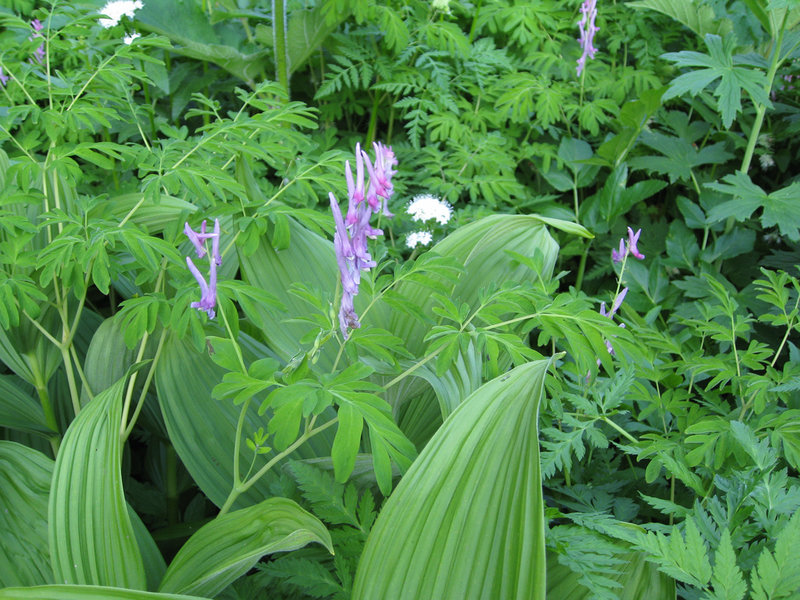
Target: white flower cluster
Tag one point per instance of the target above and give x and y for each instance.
(426, 207)
(419, 237)
(128, 39)
(116, 9)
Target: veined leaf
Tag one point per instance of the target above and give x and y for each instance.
(18, 410)
(467, 519)
(24, 490)
(91, 536)
(694, 14)
(229, 546)
(85, 592)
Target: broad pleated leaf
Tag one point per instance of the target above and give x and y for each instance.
(92, 540)
(24, 489)
(694, 14)
(203, 429)
(229, 546)
(467, 519)
(309, 259)
(154, 564)
(18, 409)
(483, 248)
(85, 592)
(463, 378)
(638, 579)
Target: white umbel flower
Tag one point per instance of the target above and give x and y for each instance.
(766, 161)
(116, 9)
(128, 39)
(418, 238)
(426, 207)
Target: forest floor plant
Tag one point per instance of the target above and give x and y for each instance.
(442, 391)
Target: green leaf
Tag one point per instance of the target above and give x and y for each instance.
(91, 537)
(467, 519)
(777, 574)
(694, 14)
(719, 64)
(347, 441)
(85, 592)
(779, 208)
(226, 548)
(18, 410)
(308, 30)
(638, 580)
(727, 578)
(24, 492)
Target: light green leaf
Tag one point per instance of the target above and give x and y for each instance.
(777, 574)
(727, 578)
(18, 410)
(230, 545)
(638, 580)
(91, 537)
(467, 519)
(85, 592)
(309, 259)
(694, 14)
(24, 491)
(307, 30)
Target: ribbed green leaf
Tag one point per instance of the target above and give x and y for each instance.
(229, 546)
(482, 247)
(696, 15)
(84, 592)
(18, 410)
(147, 215)
(203, 429)
(309, 259)
(24, 489)
(28, 353)
(639, 580)
(91, 536)
(467, 519)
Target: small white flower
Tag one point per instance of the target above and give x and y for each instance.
(441, 5)
(116, 9)
(426, 207)
(766, 161)
(128, 39)
(419, 237)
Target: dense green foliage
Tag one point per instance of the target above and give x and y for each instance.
(149, 451)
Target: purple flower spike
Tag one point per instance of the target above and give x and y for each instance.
(351, 233)
(3, 77)
(37, 25)
(633, 239)
(588, 30)
(208, 291)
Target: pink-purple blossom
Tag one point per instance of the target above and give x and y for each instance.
(208, 290)
(630, 247)
(3, 77)
(351, 232)
(37, 26)
(588, 29)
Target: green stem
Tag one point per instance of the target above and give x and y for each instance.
(49, 416)
(582, 267)
(146, 386)
(171, 483)
(243, 487)
(279, 44)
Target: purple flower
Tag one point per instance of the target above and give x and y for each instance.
(615, 305)
(3, 77)
(351, 233)
(198, 238)
(208, 291)
(631, 247)
(633, 239)
(588, 29)
(37, 26)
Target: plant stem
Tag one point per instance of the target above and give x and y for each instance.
(279, 44)
(243, 487)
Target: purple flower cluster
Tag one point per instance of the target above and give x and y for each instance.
(628, 248)
(3, 77)
(208, 291)
(352, 231)
(625, 248)
(588, 29)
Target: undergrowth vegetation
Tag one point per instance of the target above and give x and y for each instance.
(400, 299)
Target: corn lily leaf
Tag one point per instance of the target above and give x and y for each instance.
(85, 592)
(92, 540)
(229, 546)
(467, 519)
(24, 491)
